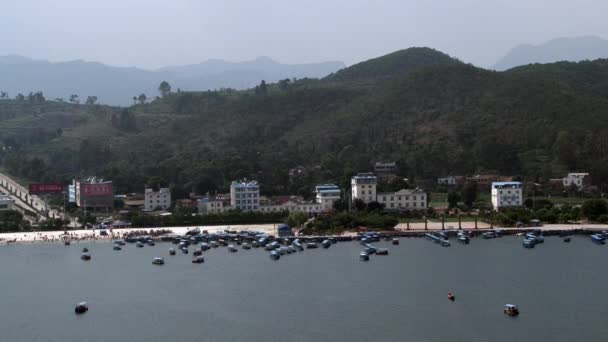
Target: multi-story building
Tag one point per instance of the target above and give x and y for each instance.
(290, 204)
(506, 194)
(211, 205)
(7, 202)
(384, 170)
(92, 193)
(157, 200)
(364, 187)
(245, 195)
(579, 179)
(327, 194)
(404, 199)
(483, 179)
(451, 180)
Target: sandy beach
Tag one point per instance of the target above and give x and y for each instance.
(94, 234)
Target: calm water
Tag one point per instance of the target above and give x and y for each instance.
(320, 295)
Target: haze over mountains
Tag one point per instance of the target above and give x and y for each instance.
(117, 85)
(573, 49)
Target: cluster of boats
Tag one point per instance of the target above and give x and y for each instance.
(533, 238)
(369, 249)
(599, 238)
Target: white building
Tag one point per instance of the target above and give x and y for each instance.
(245, 195)
(506, 194)
(405, 199)
(293, 206)
(211, 205)
(155, 200)
(327, 194)
(7, 202)
(364, 187)
(578, 179)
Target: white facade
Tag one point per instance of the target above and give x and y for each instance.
(580, 179)
(211, 205)
(364, 187)
(506, 194)
(327, 194)
(154, 200)
(245, 195)
(309, 208)
(7, 203)
(405, 199)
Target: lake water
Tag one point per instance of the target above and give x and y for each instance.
(314, 295)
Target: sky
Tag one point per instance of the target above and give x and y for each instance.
(155, 33)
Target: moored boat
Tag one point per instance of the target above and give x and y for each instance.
(451, 296)
(197, 252)
(567, 239)
(246, 246)
(116, 247)
(81, 308)
(529, 243)
(326, 243)
(85, 250)
(198, 260)
(232, 249)
(139, 245)
(158, 261)
(85, 256)
(171, 251)
(598, 238)
(511, 310)
(311, 245)
(381, 251)
(274, 255)
(364, 256)
(395, 241)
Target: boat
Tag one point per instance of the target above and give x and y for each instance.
(85, 256)
(151, 243)
(246, 246)
(326, 243)
(158, 261)
(66, 242)
(232, 249)
(184, 250)
(381, 251)
(139, 245)
(567, 239)
(463, 238)
(489, 235)
(198, 260)
(117, 248)
(85, 250)
(255, 244)
(443, 235)
(370, 249)
(81, 308)
(310, 245)
(364, 256)
(205, 246)
(171, 251)
(598, 238)
(511, 310)
(119, 242)
(529, 243)
(451, 296)
(444, 243)
(395, 241)
(274, 255)
(214, 244)
(197, 252)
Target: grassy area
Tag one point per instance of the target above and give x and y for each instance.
(438, 199)
(563, 200)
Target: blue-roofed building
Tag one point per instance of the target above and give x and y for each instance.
(327, 194)
(507, 194)
(245, 195)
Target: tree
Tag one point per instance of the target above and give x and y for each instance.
(375, 206)
(453, 199)
(594, 208)
(164, 88)
(142, 98)
(340, 205)
(74, 99)
(297, 218)
(134, 100)
(359, 204)
(3, 95)
(91, 100)
(284, 84)
(262, 88)
(469, 193)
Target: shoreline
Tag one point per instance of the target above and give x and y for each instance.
(416, 229)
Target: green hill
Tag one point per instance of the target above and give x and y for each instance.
(432, 114)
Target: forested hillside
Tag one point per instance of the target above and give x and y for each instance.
(432, 114)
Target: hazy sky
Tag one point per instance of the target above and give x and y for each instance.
(154, 33)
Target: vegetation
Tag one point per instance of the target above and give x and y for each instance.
(431, 114)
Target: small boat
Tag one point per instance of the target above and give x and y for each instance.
(381, 251)
(326, 243)
(310, 245)
(567, 239)
(85, 250)
(119, 242)
(364, 256)
(463, 239)
(158, 261)
(444, 242)
(246, 246)
(85, 256)
(117, 248)
(214, 244)
(66, 242)
(282, 250)
(198, 260)
(598, 238)
(274, 255)
(395, 241)
(171, 251)
(529, 243)
(150, 243)
(451, 296)
(184, 250)
(81, 308)
(511, 310)
(205, 246)
(197, 252)
(255, 244)
(489, 235)
(370, 250)
(139, 245)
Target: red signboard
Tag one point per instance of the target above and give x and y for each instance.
(36, 189)
(103, 189)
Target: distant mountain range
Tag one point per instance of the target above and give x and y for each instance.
(117, 85)
(561, 49)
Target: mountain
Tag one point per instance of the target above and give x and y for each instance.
(117, 85)
(562, 49)
(431, 114)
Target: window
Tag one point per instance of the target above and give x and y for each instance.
(399, 198)
(384, 198)
(414, 198)
(392, 198)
